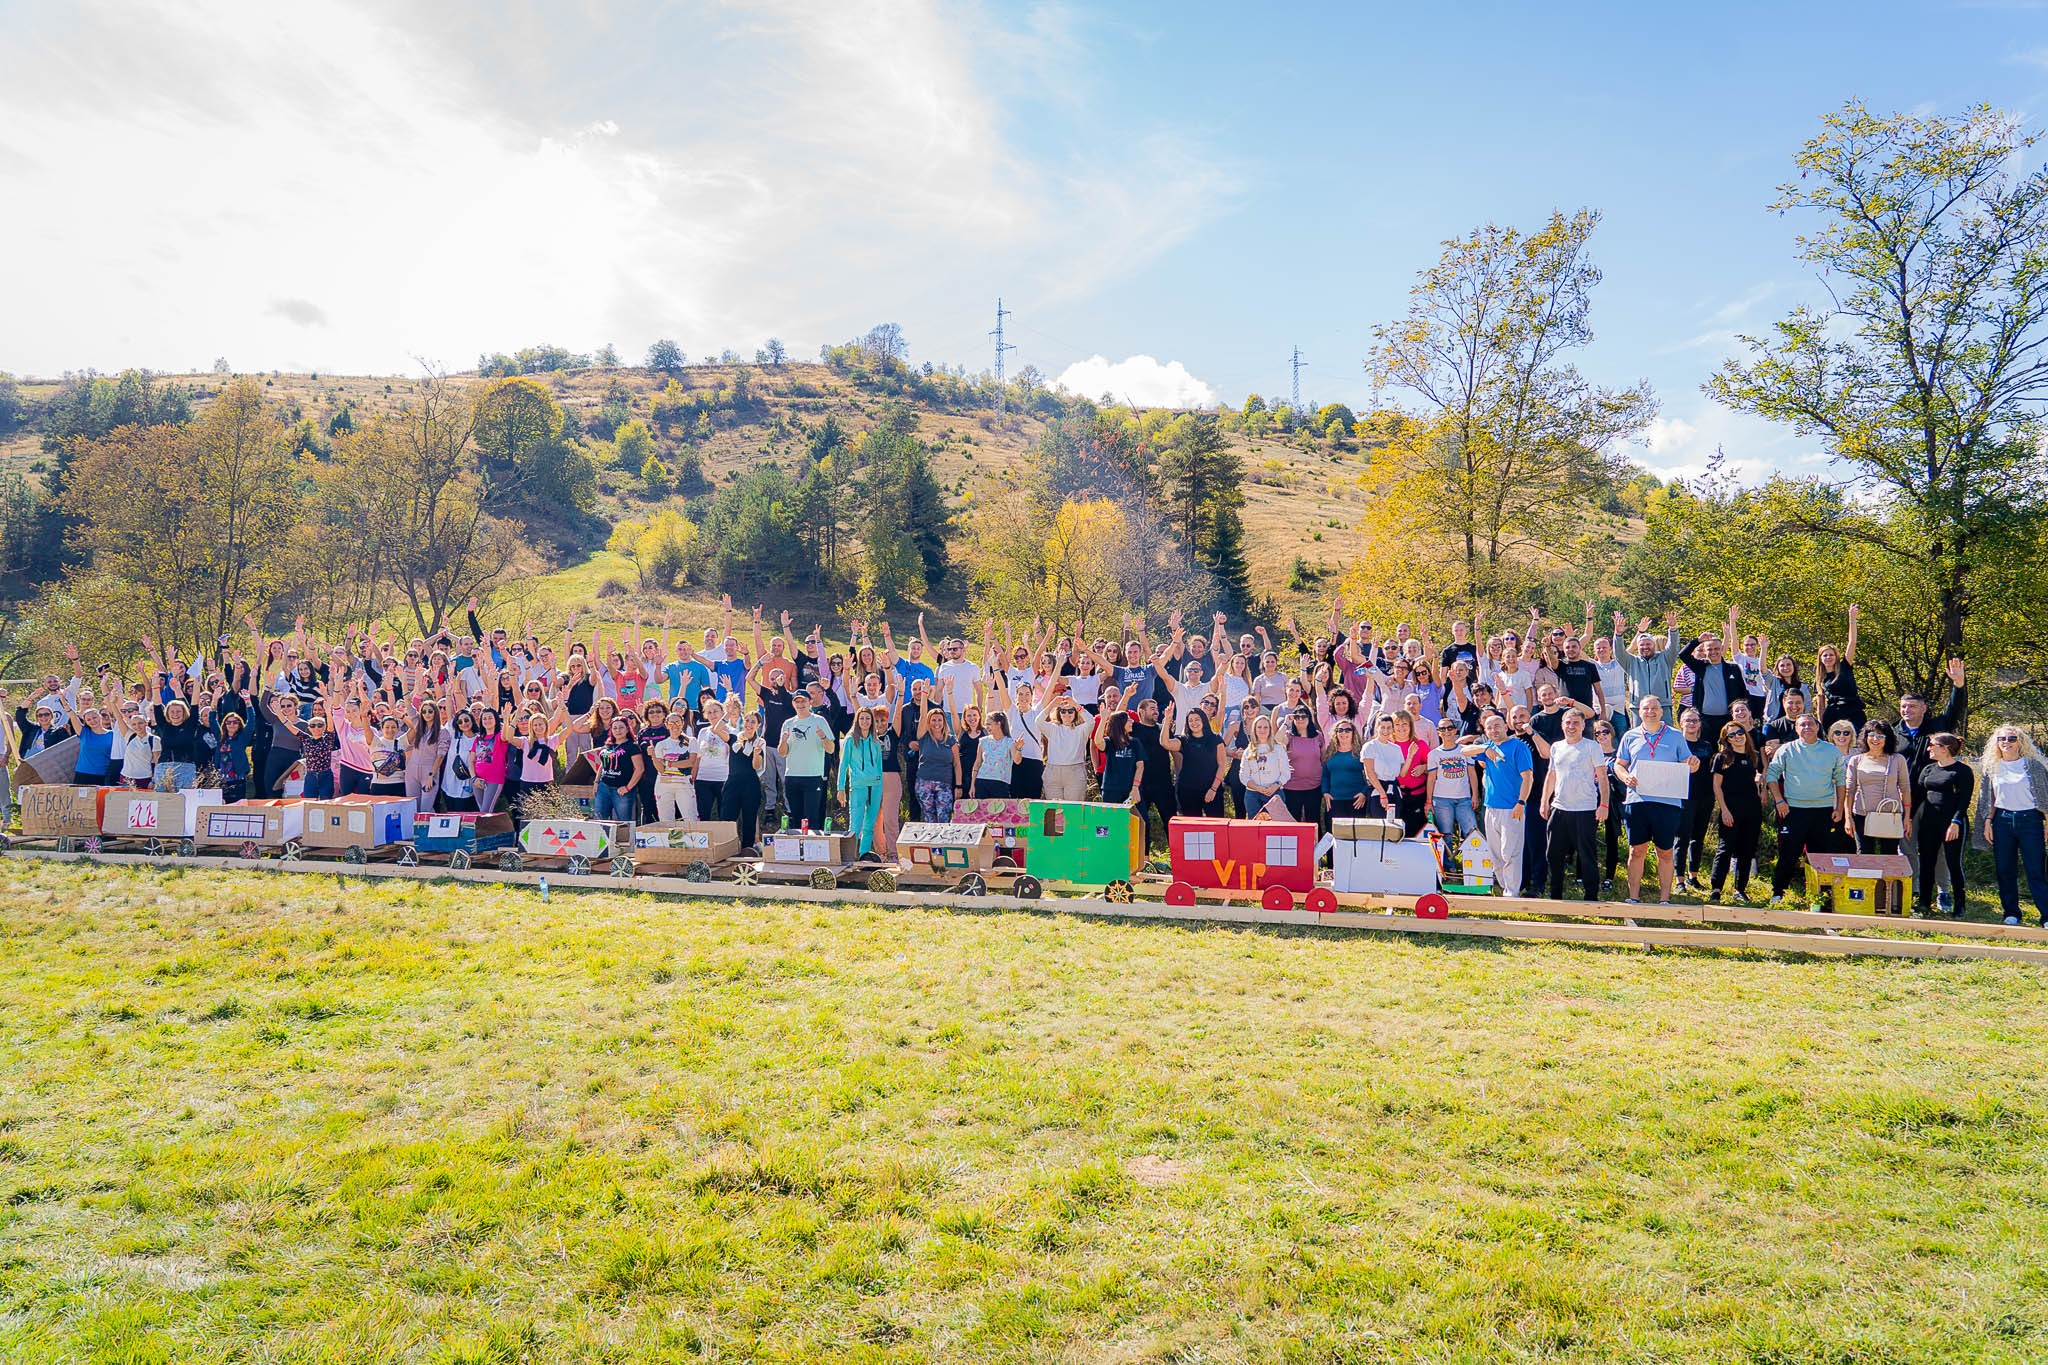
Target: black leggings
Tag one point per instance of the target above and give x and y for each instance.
(1693, 824)
(1738, 848)
(274, 769)
(1197, 801)
(740, 802)
(1932, 837)
(710, 798)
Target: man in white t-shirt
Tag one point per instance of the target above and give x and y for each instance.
(957, 676)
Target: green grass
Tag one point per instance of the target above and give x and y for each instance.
(300, 1119)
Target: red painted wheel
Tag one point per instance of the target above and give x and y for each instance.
(1180, 893)
(1322, 900)
(1432, 906)
(1277, 898)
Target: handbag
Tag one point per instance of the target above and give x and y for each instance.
(1886, 822)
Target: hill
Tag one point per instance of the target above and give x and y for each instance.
(1301, 499)
(414, 1122)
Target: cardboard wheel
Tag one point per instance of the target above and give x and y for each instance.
(973, 884)
(154, 848)
(408, 856)
(510, 861)
(1322, 900)
(622, 868)
(1432, 906)
(292, 851)
(1277, 898)
(459, 860)
(1117, 892)
(823, 878)
(1180, 893)
(91, 844)
(64, 845)
(188, 848)
(250, 849)
(881, 879)
(1028, 888)
(746, 874)
(579, 866)
(5, 842)
(1004, 865)
(354, 855)
(699, 871)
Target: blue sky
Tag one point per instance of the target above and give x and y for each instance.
(357, 186)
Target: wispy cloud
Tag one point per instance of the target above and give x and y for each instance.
(473, 178)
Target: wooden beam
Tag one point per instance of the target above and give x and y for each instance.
(1462, 926)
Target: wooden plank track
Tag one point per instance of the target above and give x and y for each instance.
(1462, 925)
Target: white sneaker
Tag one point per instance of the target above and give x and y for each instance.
(2012, 919)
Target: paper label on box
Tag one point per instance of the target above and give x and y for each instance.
(816, 851)
(445, 826)
(142, 815)
(234, 824)
(357, 822)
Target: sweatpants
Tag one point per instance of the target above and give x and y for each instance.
(1505, 832)
(864, 806)
(806, 801)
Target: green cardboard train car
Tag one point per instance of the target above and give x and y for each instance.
(1083, 842)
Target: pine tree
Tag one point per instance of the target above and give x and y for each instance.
(1224, 558)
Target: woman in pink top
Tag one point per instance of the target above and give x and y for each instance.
(351, 738)
(1303, 790)
(493, 759)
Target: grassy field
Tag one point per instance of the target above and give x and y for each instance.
(297, 1119)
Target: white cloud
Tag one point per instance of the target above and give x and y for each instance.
(1138, 379)
(439, 181)
(1680, 446)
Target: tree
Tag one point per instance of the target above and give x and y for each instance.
(608, 356)
(632, 445)
(523, 453)
(410, 489)
(884, 345)
(1335, 420)
(1925, 374)
(1224, 558)
(192, 518)
(1513, 446)
(1081, 573)
(666, 356)
(1199, 475)
(659, 547)
(774, 353)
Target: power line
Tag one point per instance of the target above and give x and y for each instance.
(1002, 391)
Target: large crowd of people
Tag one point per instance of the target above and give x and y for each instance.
(1575, 753)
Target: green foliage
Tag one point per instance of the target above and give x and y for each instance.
(633, 445)
(542, 359)
(749, 534)
(343, 421)
(666, 356)
(655, 475)
(1924, 377)
(524, 451)
(613, 413)
(1335, 421)
(659, 547)
(14, 409)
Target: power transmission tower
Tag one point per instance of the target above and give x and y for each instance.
(1002, 390)
(1295, 402)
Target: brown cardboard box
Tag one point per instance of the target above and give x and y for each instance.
(359, 821)
(51, 811)
(819, 848)
(267, 824)
(951, 850)
(156, 815)
(682, 842)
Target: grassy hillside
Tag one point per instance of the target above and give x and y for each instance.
(268, 1120)
(1298, 503)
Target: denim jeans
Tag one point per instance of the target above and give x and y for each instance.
(613, 803)
(1454, 820)
(2017, 846)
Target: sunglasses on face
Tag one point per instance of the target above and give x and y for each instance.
(2008, 739)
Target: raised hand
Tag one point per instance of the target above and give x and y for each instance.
(1955, 672)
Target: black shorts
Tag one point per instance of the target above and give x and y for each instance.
(1653, 822)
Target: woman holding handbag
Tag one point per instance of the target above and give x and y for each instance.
(1879, 793)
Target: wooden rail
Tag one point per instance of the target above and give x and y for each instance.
(1472, 916)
